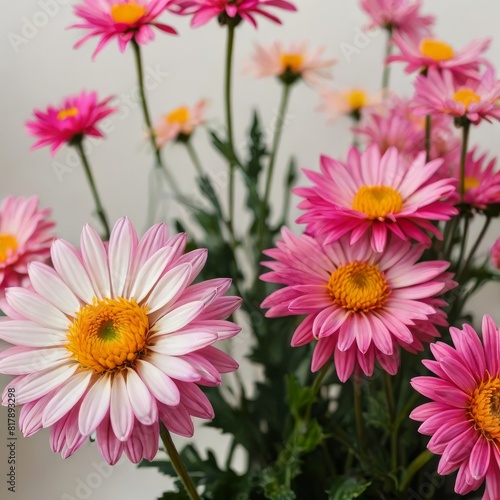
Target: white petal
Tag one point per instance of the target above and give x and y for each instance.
(68, 265)
(169, 287)
(143, 404)
(178, 318)
(160, 385)
(96, 261)
(183, 343)
(174, 367)
(95, 405)
(34, 360)
(30, 334)
(66, 398)
(121, 413)
(49, 285)
(33, 307)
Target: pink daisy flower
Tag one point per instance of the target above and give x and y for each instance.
(291, 63)
(25, 236)
(375, 195)
(180, 123)
(121, 19)
(402, 17)
(114, 339)
(463, 417)
(430, 53)
(360, 306)
(351, 102)
(226, 11)
(476, 99)
(77, 116)
(495, 255)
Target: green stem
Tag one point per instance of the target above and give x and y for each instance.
(315, 389)
(280, 121)
(463, 243)
(391, 407)
(463, 157)
(194, 157)
(414, 467)
(177, 463)
(473, 251)
(428, 141)
(387, 70)
(88, 172)
(229, 120)
(358, 412)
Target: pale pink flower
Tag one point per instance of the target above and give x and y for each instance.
(359, 305)
(463, 417)
(475, 99)
(76, 117)
(226, 11)
(431, 53)
(114, 339)
(353, 101)
(180, 123)
(495, 254)
(25, 236)
(290, 63)
(377, 195)
(121, 19)
(401, 17)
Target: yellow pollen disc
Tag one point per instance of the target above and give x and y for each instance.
(471, 182)
(108, 334)
(484, 408)
(357, 99)
(434, 49)
(293, 62)
(358, 286)
(127, 13)
(377, 201)
(466, 97)
(180, 115)
(67, 113)
(8, 245)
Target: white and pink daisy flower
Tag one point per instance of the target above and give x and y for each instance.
(431, 53)
(463, 417)
(475, 99)
(226, 11)
(180, 123)
(377, 195)
(290, 63)
(353, 102)
(360, 306)
(76, 117)
(401, 17)
(121, 19)
(25, 236)
(115, 339)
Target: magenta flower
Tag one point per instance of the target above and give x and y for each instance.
(229, 10)
(463, 417)
(77, 116)
(25, 236)
(476, 99)
(402, 17)
(495, 255)
(121, 19)
(431, 53)
(375, 195)
(360, 306)
(114, 339)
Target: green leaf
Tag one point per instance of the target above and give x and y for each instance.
(348, 488)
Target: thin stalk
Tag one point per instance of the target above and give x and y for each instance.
(463, 157)
(386, 76)
(315, 389)
(391, 407)
(194, 157)
(90, 179)
(428, 141)
(414, 467)
(358, 413)
(478, 241)
(280, 121)
(463, 243)
(178, 464)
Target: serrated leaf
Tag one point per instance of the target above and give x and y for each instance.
(348, 488)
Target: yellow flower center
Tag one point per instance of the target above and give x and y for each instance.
(127, 13)
(434, 49)
(484, 408)
(180, 115)
(466, 97)
(67, 113)
(357, 99)
(471, 182)
(293, 62)
(8, 245)
(377, 201)
(358, 286)
(108, 334)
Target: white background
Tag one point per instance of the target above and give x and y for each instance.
(43, 68)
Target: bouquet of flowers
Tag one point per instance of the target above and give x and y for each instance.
(356, 317)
